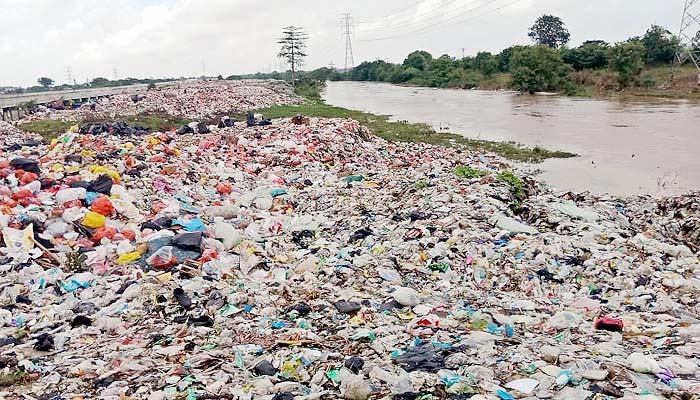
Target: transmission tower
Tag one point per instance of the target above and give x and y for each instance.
(116, 77)
(347, 25)
(690, 34)
(70, 76)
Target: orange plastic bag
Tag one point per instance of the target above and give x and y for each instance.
(224, 188)
(102, 206)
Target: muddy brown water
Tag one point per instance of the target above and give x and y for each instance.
(629, 147)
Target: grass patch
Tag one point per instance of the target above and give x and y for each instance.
(13, 377)
(402, 131)
(49, 129)
(309, 90)
(517, 186)
(465, 171)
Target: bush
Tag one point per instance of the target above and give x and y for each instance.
(627, 60)
(590, 55)
(539, 68)
(661, 46)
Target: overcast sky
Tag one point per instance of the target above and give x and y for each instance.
(173, 38)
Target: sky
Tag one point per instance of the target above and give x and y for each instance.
(174, 38)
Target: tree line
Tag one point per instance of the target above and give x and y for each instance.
(545, 66)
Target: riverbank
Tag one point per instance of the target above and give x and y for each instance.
(314, 106)
(662, 82)
(402, 131)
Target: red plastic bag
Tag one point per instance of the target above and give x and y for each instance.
(130, 235)
(73, 203)
(102, 206)
(104, 232)
(224, 188)
(28, 177)
(22, 194)
(163, 258)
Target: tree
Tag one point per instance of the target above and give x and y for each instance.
(661, 45)
(538, 68)
(293, 48)
(505, 56)
(418, 60)
(486, 63)
(441, 72)
(592, 54)
(99, 82)
(45, 82)
(627, 59)
(550, 31)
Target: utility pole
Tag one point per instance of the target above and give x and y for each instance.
(347, 26)
(690, 35)
(463, 53)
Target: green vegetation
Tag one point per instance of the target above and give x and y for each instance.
(310, 90)
(627, 60)
(537, 69)
(402, 131)
(47, 128)
(14, 377)
(549, 31)
(517, 187)
(595, 68)
(50, 129)
(465, 171)
(421, 184)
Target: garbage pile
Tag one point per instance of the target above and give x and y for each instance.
(194, 100)
(316, 261)
(114, 128)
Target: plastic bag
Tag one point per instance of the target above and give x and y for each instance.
(129, 257)
(162, 258)
(94, 220)
(102, 206)
(104, 232)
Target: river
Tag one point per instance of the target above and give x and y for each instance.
(624, 147)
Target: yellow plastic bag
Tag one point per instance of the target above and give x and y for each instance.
(94, 220)
(128, 257)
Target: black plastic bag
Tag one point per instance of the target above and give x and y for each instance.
(103, 184)
(26, 164)
(189, 241)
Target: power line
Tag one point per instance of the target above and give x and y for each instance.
(424, 26)
(406, 10)
(438, 25)
(347, 26)
(419, 19)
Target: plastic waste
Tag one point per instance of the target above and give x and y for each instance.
(94, 220)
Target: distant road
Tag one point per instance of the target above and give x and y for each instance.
(14, 100)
